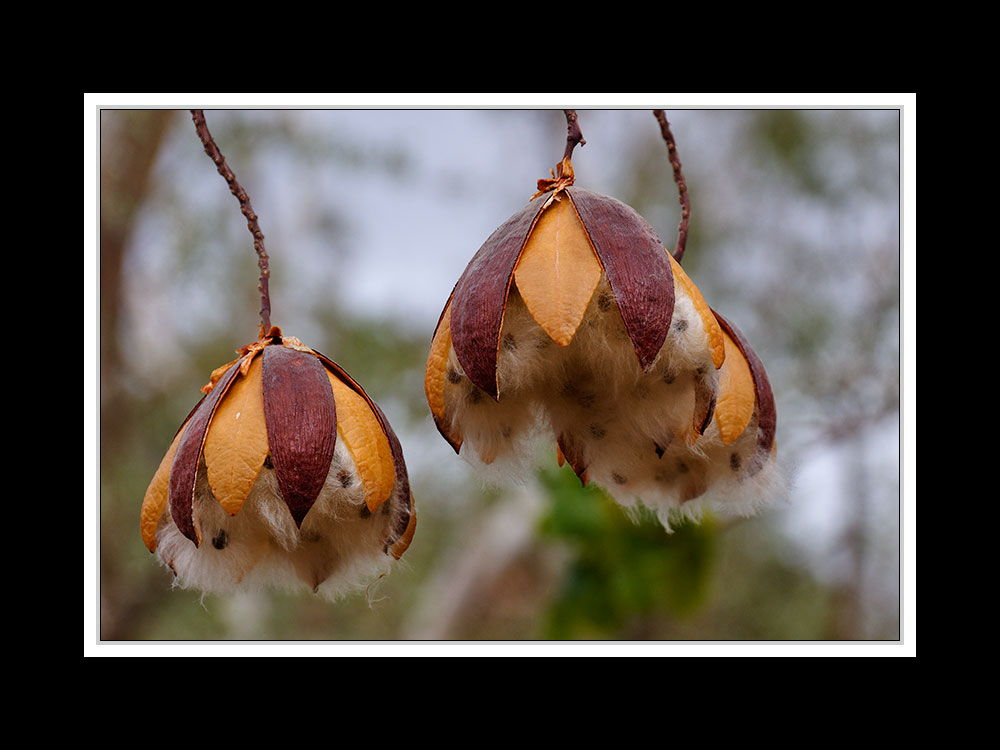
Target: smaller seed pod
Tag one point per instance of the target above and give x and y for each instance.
(288, 470)
(573, 322)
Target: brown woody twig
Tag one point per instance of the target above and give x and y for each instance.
(682, 228)
(562, 176)
(216, 156)
(573, 134)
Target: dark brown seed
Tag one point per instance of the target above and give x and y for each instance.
(454, 376)
(578, 394)
(475, 395)
(618, 478)
(598, 431)
(682, 467)
(605, 301)
(301, 420)
(268, 463)
(345, 478)
(221, 539)
(509, 342)
(735, 461)
(681, 325)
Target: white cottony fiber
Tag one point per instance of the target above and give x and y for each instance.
(635, 432)
(339, 547)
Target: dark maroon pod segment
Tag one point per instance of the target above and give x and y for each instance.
(574, 456)
(401, 491)
(767, 413)
(456, 444)
(704, 404)
(184, 469)
(301, 418)
(636, 265)
(629, 250)
(480, 297)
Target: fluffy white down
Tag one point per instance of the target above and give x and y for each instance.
(635, 431)
(338, 549)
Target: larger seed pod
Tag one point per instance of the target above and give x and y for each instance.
(573, 321)
(285, 473)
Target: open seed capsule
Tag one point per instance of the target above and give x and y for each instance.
(572, 321)
(289, 470)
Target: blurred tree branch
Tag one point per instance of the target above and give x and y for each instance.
(130, 142)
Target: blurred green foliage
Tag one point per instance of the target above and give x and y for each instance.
(624, 567)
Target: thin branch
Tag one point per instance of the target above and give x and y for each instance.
(573, 134)
(562, 176)
(682, 228)
(201, 127)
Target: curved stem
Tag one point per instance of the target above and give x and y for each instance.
(675, 162)
(573, 134)
(562, 176)
(201, 127)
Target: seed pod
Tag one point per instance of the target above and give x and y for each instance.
(574, 322)
(558, 248)
(291, 471)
